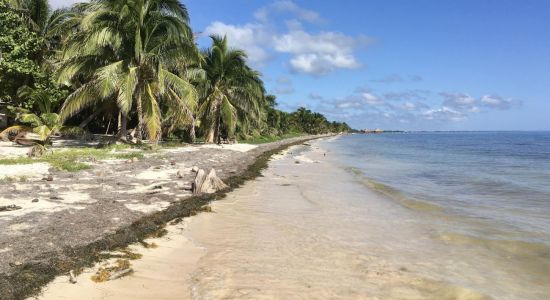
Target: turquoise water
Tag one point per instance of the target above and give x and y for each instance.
(486, 194)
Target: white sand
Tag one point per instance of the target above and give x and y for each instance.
(162, 273)
(232, 147)
(28, 170)
(157, 174)
(180, 149)
(72, 197)
(148, 208)
(304, 159)
(10, 150)
(27, 207)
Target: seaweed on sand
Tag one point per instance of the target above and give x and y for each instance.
(30, 277)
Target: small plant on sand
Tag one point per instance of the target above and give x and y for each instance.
(44, 126)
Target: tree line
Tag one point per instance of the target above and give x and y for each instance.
(106, 66)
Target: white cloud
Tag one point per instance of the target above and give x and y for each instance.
(55, 4)
(371, 99)
(284, 86)
(287, 6)
(315, 96)
(458, 100)
(498, 102)
(408, 106)
(444, 114)
(310, 53)
(321, 53)
(248, 37)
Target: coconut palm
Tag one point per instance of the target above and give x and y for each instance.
(36, 12)
(230, 93)
(126, 51)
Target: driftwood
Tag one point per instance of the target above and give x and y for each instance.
(120, 274)
(210, 183)
(29, 139)
(9, 208)
(72, 277)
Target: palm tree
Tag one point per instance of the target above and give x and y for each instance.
(127, 51)
(36, 12)
(230, 92)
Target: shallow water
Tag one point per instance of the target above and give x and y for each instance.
(486, 195)
(323, 228)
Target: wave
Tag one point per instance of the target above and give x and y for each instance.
(532, 258)
(394, 194)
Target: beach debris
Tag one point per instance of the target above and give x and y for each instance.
(121, 269)
(132, 160)
(9, 207)
(121, 274)
(181, 172)
(72, 277)
(34, 200)
(148, 245)
(210, 183)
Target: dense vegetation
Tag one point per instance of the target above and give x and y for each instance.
(109, 65)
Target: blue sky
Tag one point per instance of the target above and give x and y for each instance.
(396, 64)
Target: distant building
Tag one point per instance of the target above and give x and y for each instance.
(367, 131)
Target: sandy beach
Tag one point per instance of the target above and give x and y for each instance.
(312, 226)
(288, 234)
(61, 214)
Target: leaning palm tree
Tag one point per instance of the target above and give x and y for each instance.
(231, 92)
(126, 51)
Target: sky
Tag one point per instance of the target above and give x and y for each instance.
(395, 64)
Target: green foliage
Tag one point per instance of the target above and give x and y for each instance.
(23, 78)
(18, 48)
(230, 92)
(310, 122)
(44, 125)
(135, 59)
(74, 159)
(262, 139)
(126, 51)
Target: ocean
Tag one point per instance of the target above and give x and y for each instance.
(484, 195)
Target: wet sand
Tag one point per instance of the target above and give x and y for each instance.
(303, 231)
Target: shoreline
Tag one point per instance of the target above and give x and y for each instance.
(294, 232)
(28, 278)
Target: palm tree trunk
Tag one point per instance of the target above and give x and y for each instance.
(89, 118)
(122, 127)
(217, 131)
(139, 109)
(210, 135)
(192, 134)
